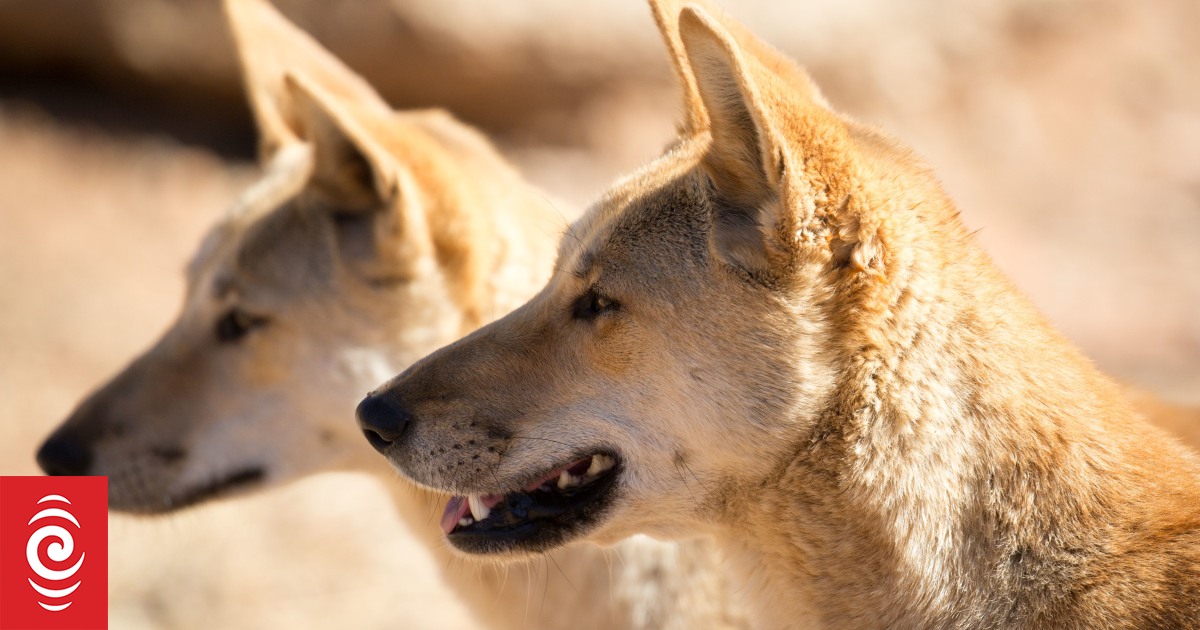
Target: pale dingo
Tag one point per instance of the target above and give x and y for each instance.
(374, 237)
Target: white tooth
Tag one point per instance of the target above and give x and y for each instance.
(600, 463)
(464, 521)
(566, 480)
(478, 509)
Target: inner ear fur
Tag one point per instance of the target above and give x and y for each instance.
(377, 217)
(667, 18)
(269, 47)
(349, 166)
(747, 157)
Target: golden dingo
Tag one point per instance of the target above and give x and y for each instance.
(779, 334)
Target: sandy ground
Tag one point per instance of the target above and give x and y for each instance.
(1077, 156)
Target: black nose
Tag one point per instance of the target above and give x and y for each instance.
(382, 421)
(62, 455)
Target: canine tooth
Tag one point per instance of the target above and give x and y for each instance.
(600, 463)
(566, 480)
(478, 509)
(464, 521)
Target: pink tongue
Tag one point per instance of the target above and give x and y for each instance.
(456, 508)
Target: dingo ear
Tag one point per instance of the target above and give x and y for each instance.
(270, 46)
(360, 183)
(666, 16)
(746, 159)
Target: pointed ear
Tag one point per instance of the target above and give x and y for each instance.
(270, 46)
(377, 216)
(349, 166)
(666, 16)
(747, 156)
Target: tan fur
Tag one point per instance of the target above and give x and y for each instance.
(374, 237)
(795, 347)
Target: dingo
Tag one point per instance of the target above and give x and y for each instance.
(375, 237)
(780, 334)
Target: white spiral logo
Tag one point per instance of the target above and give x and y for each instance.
(59, 551)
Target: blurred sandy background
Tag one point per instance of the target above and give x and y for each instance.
(1068, 130)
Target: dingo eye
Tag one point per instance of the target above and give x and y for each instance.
(236, 324)
(591, 305)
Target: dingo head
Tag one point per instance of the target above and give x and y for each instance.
(365, 245)
(692, 332)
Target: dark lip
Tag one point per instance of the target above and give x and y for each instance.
(556, 520)
(227, 484)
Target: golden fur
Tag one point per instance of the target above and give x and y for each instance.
(790, 341)
(374, 237)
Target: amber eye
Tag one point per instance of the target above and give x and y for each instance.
(236, 324)
(591, 305)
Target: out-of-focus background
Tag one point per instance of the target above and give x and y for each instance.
(1068, 131)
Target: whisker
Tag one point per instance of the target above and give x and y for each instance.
(503, 583)
(560, 572)
(557, 210)
(432, 501)
(528, 589)
(612, 598)
(526, 437)
(546, 585)
(492, 471)
(693, 474)
(686, 484)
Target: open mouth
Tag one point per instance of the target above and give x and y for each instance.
(547, 512)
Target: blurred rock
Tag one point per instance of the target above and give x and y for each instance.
(500, 65)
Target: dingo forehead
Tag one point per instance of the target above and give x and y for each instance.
(283, 178)
(665, 193)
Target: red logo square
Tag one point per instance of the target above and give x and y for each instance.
(53, 553)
